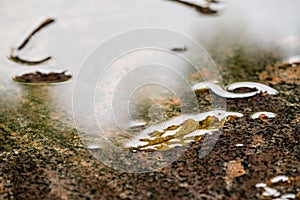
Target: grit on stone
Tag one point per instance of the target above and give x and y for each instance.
(44, 158)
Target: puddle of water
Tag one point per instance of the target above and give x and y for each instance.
(261, 88)
(81, 26)
(218, 90)
(260, 185)
(137, 123)
(93, 147)
(294, 61)
(179, 131)
(279, 179)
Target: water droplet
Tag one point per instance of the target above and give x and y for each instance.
(279, 179)
(179, 131)
(93, 147)
(288, 196)
(260, 185)
(170, 146)
(218, 90)
(258, 86)
(294, 61)
(234, 114)
(270, 192)
(136, 123)
(265, 114)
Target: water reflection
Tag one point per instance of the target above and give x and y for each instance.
(218, 90)
(179, 131)
(83, 25)
(294, 61)
(263, 115)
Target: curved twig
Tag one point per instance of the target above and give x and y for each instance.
(17, 59)
(205, 9)
(14, 51)
(43, 24)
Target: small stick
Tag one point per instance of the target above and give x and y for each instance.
(17, 59)
(206, 10)
(14, 51)
(43, 24)
(203, 9)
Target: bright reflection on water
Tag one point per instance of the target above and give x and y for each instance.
(180, 131)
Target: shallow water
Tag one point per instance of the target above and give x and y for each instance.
(81, 26)
(218, 90)
(264, 114)
(180, 131)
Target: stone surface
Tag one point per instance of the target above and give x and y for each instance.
(42, 155)
(43, 158)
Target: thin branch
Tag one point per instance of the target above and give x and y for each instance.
(17, 59)
(14, 51)
(205, 9)
(43, 24)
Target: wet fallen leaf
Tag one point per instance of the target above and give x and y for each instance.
(234, 169)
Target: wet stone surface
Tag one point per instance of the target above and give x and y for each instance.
(43, 158)
(42, 155)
